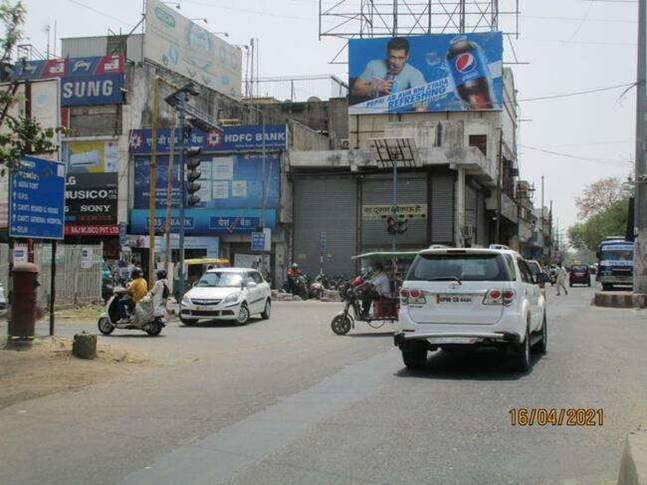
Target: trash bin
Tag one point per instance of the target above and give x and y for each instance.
(23, 301)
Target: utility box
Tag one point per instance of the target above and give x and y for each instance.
(23, 300)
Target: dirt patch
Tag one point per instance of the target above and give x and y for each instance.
(48, 367)
(84, 312)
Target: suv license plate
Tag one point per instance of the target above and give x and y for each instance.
(440, 298)
(452, 340)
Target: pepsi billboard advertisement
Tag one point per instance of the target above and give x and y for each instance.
(429, 73)
(85, 81)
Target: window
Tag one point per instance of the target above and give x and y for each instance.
(219, 280)
(511, 267)
(526, 275)
(480, 142)
(464, 267)
(257, 278)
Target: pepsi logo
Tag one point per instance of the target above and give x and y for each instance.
(465, 62)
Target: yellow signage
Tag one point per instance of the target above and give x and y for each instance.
(410, 211)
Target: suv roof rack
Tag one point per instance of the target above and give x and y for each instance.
(498, 246)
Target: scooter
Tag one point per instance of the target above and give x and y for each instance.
(142, 318)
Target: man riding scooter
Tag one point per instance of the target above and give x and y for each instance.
(135, 291)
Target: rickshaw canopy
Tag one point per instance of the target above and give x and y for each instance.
(387, 256)
(215, 261)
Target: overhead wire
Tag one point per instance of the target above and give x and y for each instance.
(578, 93)
(577, 157)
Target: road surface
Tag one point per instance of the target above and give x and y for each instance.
(287, 401)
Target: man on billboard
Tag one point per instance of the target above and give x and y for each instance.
(383, 77)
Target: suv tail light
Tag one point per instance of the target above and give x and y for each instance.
(412, 296)
(499, 297)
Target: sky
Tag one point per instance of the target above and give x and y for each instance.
(568, 45)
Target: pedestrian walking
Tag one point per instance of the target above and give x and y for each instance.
(561, 279)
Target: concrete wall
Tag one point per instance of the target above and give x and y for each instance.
(304, 138)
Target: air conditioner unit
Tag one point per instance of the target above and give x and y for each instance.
(344, 143)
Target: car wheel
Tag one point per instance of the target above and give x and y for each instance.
(521, 355)
(188, 321)
(341, 324)
(105, 327)
(243, 314)
(268, 310)
(414, 355)
(542, 346)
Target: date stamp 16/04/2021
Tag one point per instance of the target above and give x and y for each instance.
(556, 417)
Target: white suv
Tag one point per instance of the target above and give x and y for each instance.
(227, 294)
(453, 298)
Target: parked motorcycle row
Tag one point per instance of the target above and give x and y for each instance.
(306, 287)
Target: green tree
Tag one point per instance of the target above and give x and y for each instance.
(19, 135)
(608, 222)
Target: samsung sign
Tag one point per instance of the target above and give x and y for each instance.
(84, 80)
(80, 91)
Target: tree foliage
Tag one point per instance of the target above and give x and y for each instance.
(599, 197)
(19, 135)
(611, 221)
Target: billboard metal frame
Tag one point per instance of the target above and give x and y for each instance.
(348, 19)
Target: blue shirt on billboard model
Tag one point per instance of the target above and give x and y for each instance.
(409, 77)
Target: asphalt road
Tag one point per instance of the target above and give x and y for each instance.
(286, 401)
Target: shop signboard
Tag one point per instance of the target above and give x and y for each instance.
(226, 139)
(84, 80)
(91, 204)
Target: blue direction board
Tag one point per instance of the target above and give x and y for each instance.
(37, 199)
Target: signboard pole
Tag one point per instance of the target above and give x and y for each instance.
(52, 289)
(152, 220)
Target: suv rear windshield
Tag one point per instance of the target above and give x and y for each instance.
(463, 267)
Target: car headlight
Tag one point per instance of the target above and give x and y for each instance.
(233, 298)
(186, 301)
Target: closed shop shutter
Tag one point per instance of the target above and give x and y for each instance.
(482, 237)
(378, 191)
(442, 209)
(470, 209)
(325, 204)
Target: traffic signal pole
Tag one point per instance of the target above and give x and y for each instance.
(182, 118)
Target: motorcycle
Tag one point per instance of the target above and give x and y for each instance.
(143, 317)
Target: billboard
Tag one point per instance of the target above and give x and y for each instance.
(84, 80)
(97, 156)
(227, 139)
(175, 42)
(427, 73)
(91, 204)
(232, 181)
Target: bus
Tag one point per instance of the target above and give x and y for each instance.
(615, 262)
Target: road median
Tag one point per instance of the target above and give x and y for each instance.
(633, 467)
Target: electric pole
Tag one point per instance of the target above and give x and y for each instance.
(640, 247)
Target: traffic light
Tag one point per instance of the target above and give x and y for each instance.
(396, 224)
(391, 225)
(193, 174)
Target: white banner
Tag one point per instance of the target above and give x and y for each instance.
(182, 46)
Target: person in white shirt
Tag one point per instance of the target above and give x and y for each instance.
(561, 279)
(380, 287)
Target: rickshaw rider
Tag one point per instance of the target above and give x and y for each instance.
(380, 287)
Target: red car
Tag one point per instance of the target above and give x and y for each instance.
(579, 275)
